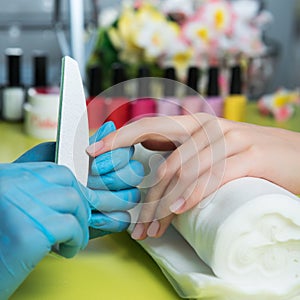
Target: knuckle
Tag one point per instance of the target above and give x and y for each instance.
(144, 122)
(235, 135)
(123, 225)
(193, 199)
(147, 211)
(166, 172)
(257, 154)
(67, 173)
(182, 175)
(73, 196)
(204, 117)
(254, 151)
(218, 169)
(72, 221)
(162, 171)
(179, 175)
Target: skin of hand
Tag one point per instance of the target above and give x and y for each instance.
(207, 152)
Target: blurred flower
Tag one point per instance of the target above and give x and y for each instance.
(217, 15)
(181, 33)
(108, 17)
(247, 35)
(198, 35)
(156, 41)
(180, 55)
(246, 10)
(279, 104)
(123, 37)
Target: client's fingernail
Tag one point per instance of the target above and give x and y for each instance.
(153, 228)
(138, 231)
(177, 205)
(92, 149)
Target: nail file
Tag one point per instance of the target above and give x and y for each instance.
(72, 132)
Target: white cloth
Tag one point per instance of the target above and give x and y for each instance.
(244, 244)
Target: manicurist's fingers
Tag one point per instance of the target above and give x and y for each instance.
(111, 161)
(127, 177)
(116, 201)
(116, 221)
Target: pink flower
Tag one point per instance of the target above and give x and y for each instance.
(218, 15)
(283, 113)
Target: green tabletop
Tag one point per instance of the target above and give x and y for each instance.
(253, 116)
(110, 268)
(113, 267)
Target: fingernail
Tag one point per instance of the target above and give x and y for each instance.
(177, 205)
(153, 228)
(138, 231)
(92, 149)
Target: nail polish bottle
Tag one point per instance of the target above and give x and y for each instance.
(13, 93)
(118, 104)
(144, 104)
(235, 102)
(40, 69)
(41, 109)
(192, 102)
(40, 72)
(214, 102)
(169, 105)
(96, 102)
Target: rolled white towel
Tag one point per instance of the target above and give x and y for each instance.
(244, 243)
(249, 233)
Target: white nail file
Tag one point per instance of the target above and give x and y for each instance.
(73, 131)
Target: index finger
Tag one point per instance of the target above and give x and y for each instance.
(174, 129)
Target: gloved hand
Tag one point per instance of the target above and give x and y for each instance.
(41, 152)
(41, 205)
(113, 176)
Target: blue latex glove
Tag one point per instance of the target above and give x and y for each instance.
(41, 205)
(41, 152)
(114, 177)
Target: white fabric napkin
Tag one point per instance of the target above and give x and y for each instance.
(243, 244)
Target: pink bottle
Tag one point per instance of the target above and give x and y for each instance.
(169, 105)
(192, 102)
(144, 105)
(95, 103)
(118, 105)
(214, 102)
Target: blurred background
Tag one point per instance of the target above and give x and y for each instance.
(41, 24)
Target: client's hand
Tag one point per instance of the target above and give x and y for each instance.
(207, 152)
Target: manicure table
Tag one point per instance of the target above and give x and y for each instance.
(112, 267)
